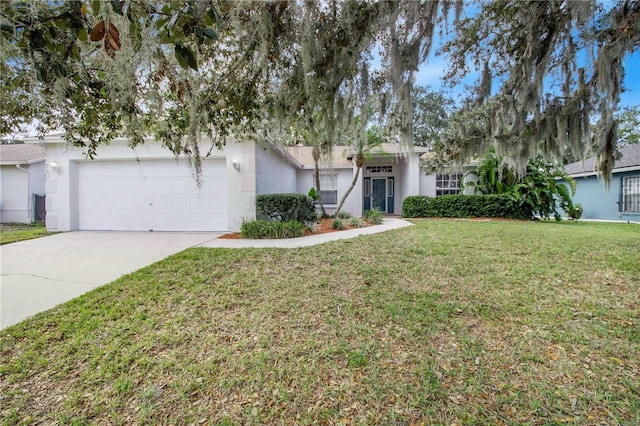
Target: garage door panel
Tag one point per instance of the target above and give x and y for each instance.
(160, 195)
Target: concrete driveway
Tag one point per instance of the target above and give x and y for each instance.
(41, 273)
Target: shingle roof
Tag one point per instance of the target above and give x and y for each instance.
(303, 154)
(630, 158)
(342, 156)
(21, 153)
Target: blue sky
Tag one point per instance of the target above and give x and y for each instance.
(431, 72)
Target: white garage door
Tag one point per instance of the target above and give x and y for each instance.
(158, 195)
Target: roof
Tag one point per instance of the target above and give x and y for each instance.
(21, 153)
(342, 156)
(630, 159)
(303, 155)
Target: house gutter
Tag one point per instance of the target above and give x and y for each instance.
(28, 195)
(594, 173)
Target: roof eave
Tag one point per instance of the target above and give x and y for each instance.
(614, 171)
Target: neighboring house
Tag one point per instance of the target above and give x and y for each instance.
(621, 202)
(148, 188)
(22, 177)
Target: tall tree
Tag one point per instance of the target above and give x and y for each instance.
(628, 120)
(548, 96)
(181, 70)
(431, 110)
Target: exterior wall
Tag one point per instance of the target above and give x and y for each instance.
(274, 175)
(61, 184)
(37, 178)
(601, 204)
(427, 184)
(305, 181)
(410, 181)
(15, 196)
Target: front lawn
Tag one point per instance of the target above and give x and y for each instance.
(446, 322)
(14, 232)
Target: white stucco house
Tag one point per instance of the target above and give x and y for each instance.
(22, 177)
(149, 189)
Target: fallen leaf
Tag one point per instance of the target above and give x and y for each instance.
(97, 33)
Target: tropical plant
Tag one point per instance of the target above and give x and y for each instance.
(343, 215)
(337, 224)
(374, 216)
(539, 187)
(494, 176)
(356, 222)
(542, 190)
(575, 211)
(312, 194)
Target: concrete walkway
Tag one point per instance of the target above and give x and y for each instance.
(41, 273)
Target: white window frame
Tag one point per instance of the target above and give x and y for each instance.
(448, 183)
(328, 188)
(631, 194)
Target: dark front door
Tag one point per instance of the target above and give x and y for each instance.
(379, 194)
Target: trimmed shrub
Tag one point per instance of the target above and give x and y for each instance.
(501, 205)
(285, 207)
(374, 216)
(258, 229)
(356, 222)
(337, 223)
(312, 226)
(343, 215)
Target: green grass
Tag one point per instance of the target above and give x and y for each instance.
(446, 322)
(14, 232)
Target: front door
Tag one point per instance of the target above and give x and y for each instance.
(379, 194)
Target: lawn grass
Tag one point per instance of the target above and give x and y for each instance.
(446, 322)
(14, 232)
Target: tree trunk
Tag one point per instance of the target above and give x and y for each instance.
(359, 163)
(316, 158)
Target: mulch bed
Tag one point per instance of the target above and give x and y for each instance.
(324, 227)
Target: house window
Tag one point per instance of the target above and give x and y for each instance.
(631, 194)
(448, 184)
(328, 189)
(379, 169)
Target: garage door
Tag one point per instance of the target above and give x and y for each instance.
(154, 195)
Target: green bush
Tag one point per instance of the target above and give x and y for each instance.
(356, 222)
(343, 215)
(374, 216)
(337, 223)
(285, 207)
(258, 229)
(312, 226)
(502, 205)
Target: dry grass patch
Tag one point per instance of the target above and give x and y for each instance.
(446, 322)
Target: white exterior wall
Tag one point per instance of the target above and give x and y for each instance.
(61, 185)
(274, 175)
(355, 198)
(305, 181)
(345, 177)
(37, 178)
(410, 181)
(427, 185)
(14, 195)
